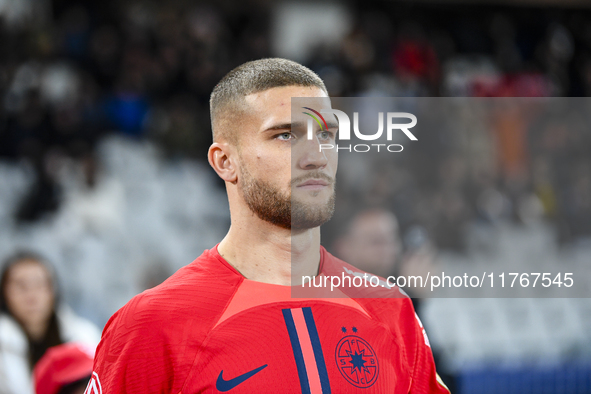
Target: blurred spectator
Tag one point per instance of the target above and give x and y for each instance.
(128, 107)
(418, 259)
(31, 321)
(91, 199)
(371, 242)
(414, 60)
(43, 197)
(64, 369)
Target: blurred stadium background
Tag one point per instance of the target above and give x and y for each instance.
(104, 126)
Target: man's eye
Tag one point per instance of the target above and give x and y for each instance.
(284, 136)
(325, 135)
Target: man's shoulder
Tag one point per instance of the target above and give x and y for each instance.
(200, 290)
(358, 283)
(389, 304)
(152, 340)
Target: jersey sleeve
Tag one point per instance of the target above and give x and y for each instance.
(132, 355)
(425, 379)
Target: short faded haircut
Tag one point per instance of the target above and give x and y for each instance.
(226, 101)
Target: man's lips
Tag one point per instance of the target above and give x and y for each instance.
(314, 184)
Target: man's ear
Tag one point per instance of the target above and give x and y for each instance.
(222, 158)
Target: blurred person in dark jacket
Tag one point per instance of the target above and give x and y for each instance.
(371, 242)
(31, 321)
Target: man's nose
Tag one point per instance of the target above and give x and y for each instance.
(313, 157)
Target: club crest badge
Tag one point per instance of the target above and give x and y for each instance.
(357, 361)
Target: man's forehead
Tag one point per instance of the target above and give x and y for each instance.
(281, 96)
(274, 105)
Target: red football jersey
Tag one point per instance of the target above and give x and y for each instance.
(207, 329)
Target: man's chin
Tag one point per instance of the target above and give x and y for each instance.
(313, 201)
(306, 216)
(312, 195)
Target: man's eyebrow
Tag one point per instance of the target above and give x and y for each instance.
(284, 126)
(288, 126)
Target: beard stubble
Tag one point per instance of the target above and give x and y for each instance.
(270, 204)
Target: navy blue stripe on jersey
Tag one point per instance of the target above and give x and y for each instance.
(315, 339)
(297, 351)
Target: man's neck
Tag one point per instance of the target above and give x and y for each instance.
(266, 253)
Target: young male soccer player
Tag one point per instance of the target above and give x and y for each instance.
(227, 321)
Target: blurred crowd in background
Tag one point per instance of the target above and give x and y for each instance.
(79, 71)
(104, 124)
